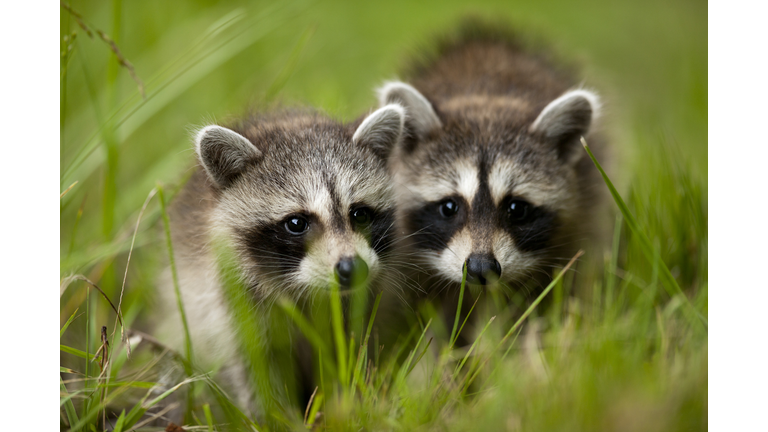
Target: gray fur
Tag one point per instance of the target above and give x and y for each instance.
(567, 119)
(504, 122)
(421, 116)
(382, 129)
(224, 153)
(252, 177)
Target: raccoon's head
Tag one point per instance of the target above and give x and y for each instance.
(489, 182)
(304, 199)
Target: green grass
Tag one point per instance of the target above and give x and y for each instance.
(619, 343)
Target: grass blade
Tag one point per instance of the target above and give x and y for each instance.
(69, 407)
(525, 315)
(651, 253)
(175, 275)
(69, 321)
(472, 348)
(458, 308)
(337, 322)
(208, 416)
(77, 352)
(120, 423)
(67, 190)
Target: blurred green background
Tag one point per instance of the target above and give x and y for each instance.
(203, 61)
(648, 58)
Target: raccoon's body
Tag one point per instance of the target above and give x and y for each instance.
(492, 174)
(300, 200)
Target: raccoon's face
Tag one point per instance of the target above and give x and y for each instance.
(304, 200)
(496, 195)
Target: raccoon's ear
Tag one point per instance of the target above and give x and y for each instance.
(565, 120)
(422, 119)
(224, 153)
(382, 129)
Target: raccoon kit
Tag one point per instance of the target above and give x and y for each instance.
(301, 199)
(492, 174)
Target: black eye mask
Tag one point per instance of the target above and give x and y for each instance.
(434, 224)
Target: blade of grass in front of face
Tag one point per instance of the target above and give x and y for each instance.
(363, 352)
(418, 359)
(540, 298)
(465, 320)
(650, 252)
(304, 326)
(350, 358)
(458, 308)
(523, 317)
(471, 349)
(405, 369)
(269, 370)
(610, 277)
(208, 416)
(337, 322)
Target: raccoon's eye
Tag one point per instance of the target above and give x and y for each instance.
(296, 225)
(518, 210)
(449, 208)
(362, 216)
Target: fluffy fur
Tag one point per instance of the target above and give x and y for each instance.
(255, 180)
(493, 128)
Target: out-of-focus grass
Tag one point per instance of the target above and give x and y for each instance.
(611, 351)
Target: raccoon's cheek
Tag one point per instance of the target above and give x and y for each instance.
(313, 270)
(364, 250)
(513, 261)
(450, 261)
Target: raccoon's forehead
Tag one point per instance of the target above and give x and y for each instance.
(441, 173)
(321, 183)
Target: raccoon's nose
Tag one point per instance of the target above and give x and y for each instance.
(481, 268)
(350, 270)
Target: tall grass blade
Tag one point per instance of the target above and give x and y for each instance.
(175, 276)
(406, 369)
(77, 352)
(208, 416)
(290, 66)
(522, 318)
(651, 253)
(69, 407)
(66, 324)
(458, 307)
(472, 348)
(120, 423)
(465, 320)
(337, 322)
(67, 190)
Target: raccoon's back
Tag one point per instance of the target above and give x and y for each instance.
(488, 59)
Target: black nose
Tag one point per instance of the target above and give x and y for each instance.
(351, 270)
(481, 268)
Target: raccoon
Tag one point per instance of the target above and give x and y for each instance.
(492, 175)
(301, 199)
